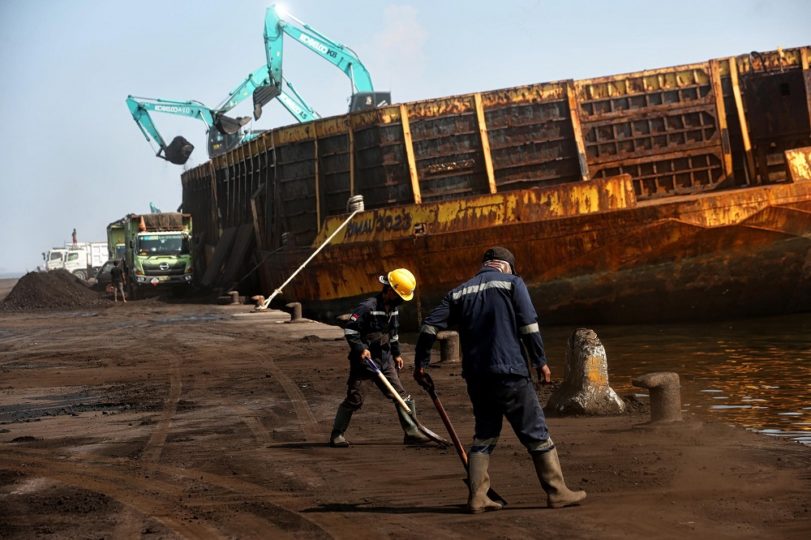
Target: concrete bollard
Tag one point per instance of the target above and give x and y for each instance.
(294, 308)
(234, 296)
(585, 388)
(665, 395)
(448, 346)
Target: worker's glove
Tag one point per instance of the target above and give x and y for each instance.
(423, 379)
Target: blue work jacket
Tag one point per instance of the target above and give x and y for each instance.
(495, 317)
(372, 327)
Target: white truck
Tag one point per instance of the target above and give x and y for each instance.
(54, 258)
(83, 259)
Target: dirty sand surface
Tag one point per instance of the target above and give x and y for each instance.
(157, 420)
(6, 284)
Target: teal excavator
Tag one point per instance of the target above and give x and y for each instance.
(224, 132)
(279, 22)
(263, 84)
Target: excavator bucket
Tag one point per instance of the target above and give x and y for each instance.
(262, 96)
(230, 126)
(178, 151)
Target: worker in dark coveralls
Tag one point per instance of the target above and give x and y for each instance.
(372, 332)
(497, 326)
(117, 279)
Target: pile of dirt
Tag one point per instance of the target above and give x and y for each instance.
(57, 289)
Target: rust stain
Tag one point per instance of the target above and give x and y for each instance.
(798, 161)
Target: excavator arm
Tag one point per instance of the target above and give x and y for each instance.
(278, 23)
(221, 128)
(259, 85)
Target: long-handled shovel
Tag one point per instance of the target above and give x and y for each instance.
(460, 450)
(427, 432)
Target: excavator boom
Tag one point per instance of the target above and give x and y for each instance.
(278, 23)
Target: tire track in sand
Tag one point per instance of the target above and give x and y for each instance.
(164, 495)
(130, 524)
(307, 420)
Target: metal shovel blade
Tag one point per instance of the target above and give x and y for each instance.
(433, 436)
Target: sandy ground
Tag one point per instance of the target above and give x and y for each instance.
(6, 284)
(198, 421)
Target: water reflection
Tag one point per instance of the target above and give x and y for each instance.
(755, 373)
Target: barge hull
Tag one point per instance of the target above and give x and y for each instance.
(665, 194)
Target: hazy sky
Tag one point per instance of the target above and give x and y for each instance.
(71, 155)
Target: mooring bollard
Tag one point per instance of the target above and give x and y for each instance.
(448, 346)
(665, 395)
(294, 308)
(234, 296)
(585, 388)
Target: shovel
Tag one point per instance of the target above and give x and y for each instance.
(460, 450)
(427, 432)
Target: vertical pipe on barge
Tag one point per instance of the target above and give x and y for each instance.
(574, 117)
(350, 134)
(317, 176)
(215, 223)
(242, 184)
(721, 115)
(747, 145)
(409, 148)
(485, 142)
(806, 78)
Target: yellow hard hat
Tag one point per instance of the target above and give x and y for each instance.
(402, 281)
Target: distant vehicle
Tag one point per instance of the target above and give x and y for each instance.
(54, 258)
(83, 260)
(117, 239)
(103, 276)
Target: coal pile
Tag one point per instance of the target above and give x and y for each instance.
(57, 289)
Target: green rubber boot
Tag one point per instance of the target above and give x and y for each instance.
(558, 495)
(412, 434)
(479, 484)
(339, 426)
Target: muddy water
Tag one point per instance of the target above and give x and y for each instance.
(754, 373)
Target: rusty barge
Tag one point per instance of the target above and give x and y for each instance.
(667, 194)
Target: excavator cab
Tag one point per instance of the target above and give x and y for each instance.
(225, 134)
(220, 143)
(178, 151)
(363, 101)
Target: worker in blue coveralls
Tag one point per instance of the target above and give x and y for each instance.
(372, 334)
(497, 326)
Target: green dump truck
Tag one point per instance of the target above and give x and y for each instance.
(157, 252)
(117, 240)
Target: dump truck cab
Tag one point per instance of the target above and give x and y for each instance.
(158, 252)
(54, 258)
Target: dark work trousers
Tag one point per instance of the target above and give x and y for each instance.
(359, 374)
(496, 396)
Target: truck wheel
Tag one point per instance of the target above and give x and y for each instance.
(81, 274)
